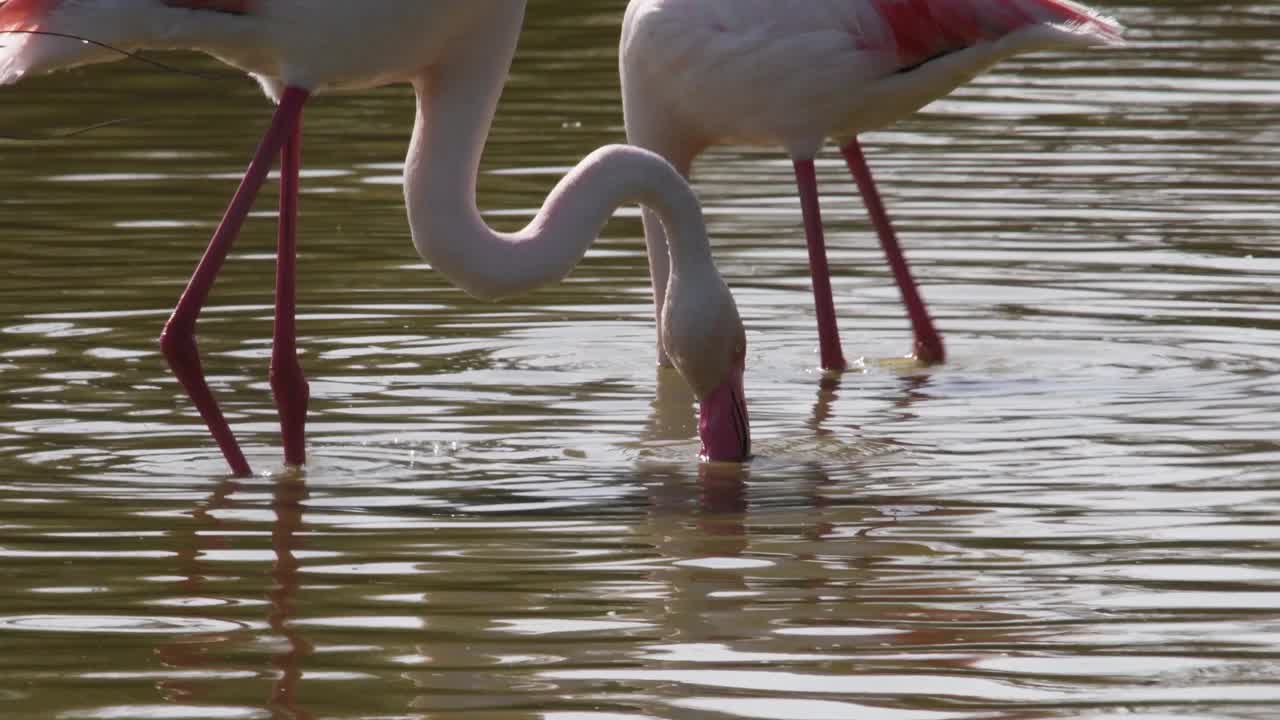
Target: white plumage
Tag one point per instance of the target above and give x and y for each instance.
(456, 53)
(793, 73)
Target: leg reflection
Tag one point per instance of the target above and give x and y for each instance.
(185, 652)
(290, 491)
(211, 532)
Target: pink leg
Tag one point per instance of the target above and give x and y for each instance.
(928, 343)
(828, 334)
(287, 382)
(178, 342)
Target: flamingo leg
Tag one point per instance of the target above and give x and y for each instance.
(178, 341)
(288, 385)
(828, 333)
(928, 343)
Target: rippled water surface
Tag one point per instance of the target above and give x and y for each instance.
(1077, 516)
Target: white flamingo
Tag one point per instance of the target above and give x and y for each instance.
(456, 54)
(696, 73)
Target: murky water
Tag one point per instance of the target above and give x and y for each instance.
(1077, 516)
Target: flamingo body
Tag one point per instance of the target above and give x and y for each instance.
(456, 54)
(792, 73)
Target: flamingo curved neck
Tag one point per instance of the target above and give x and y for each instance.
(455, 107)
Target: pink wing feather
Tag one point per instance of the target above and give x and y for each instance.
(25, 14)
(923, 29)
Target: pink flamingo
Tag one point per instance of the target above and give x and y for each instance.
(456, 54)
(696, 73)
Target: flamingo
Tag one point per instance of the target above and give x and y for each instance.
(696, 73)
(456, 54)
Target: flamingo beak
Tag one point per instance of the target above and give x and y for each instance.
(723, 425)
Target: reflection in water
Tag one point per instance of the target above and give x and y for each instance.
(828, 392)
(1076, 517)
(190, 656)
(288, 504)
(197, 660)
(672, 417)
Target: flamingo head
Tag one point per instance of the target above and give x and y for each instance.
(703, 335)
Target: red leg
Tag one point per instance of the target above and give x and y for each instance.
(287, 382)
(178, 342)
(828, 334)
(928, 343)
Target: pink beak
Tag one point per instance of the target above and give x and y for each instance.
(722, 423)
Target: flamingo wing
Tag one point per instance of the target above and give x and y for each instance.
(924, 29)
